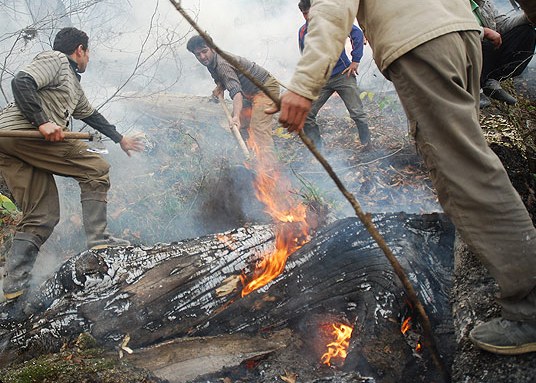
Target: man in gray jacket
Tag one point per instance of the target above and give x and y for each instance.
(47, 94)
(430, 50)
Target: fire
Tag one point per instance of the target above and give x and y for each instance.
(338, 348)
(273, 190)
(406, 325)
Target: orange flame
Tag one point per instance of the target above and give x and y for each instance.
(337, 348)
(406, 325)
(273, 191)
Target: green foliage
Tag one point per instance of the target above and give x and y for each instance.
(70, 366)
(369, 95)
(7, 206)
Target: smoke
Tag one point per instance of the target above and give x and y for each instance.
(138, 51)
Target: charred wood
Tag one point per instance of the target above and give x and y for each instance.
(185, 289)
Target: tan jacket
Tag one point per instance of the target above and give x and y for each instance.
(59, 90)
(392, 27)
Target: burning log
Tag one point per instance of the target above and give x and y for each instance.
(191, 289)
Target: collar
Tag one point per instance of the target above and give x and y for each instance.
(74, 65)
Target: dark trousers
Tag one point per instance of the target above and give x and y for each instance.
(512, 57)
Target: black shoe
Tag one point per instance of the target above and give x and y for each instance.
(484, 101)
(493, 89)
(505, 337)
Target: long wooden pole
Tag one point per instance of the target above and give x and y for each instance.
(429, 340)
(234, 129)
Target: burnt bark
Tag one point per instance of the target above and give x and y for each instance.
(170, 291)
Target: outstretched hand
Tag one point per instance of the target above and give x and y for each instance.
(294, 110)
(132, 143)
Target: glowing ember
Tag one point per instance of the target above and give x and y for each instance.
(338, 348)
(406, 325)
(273, 190)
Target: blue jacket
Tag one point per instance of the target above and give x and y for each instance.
(357, 40)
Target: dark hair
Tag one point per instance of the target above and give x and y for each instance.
(304, 5)
(69, 39)
(196, 42)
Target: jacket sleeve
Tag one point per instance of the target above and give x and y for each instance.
(330, 22)
(25, 94)
(101, 124)
(506, 23)
(356, 38)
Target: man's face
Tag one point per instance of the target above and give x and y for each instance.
(305, 14)
(81, 57)
(204, 55)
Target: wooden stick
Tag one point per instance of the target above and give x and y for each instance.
(428, 341)
(234, 129)
(37, 134)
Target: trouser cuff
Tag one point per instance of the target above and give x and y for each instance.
(29, 237)
(94, 196)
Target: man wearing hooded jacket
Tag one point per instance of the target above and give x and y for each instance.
(430, 50)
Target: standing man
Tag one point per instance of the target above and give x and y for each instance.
(239, 87)
(430, 50)
(47, 94)
(507, 48)
(342, 81)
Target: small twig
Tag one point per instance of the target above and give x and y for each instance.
(428, 340)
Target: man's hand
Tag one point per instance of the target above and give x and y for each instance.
(235, 121)
(294, 110)
(493, 36)
(51, 131)
(132, 143)
(351, 70)
(217, 92)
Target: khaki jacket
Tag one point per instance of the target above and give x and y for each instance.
(59, 90)
(392, 27)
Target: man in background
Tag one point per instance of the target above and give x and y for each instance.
(240, 87)
(431, 51)
(47, 94)
(342, 81)
(507, 48)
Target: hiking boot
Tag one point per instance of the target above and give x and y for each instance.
(364, 132)
(95, 223)
(484, 100)
(493, 89)
(505, 337)
(19, 264)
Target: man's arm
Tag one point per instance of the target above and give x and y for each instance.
(101, 124)
(329, 25)
(238, 102)
(128, 143)
(357, 40)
